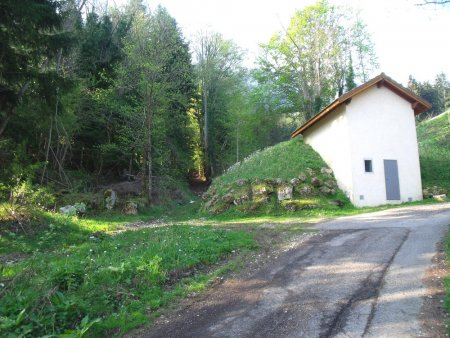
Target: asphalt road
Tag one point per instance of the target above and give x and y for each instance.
(360, 277)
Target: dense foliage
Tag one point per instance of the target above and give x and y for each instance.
(321, 54)
(90, 96)
(437, 93)
(94, 95)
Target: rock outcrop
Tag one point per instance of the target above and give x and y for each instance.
(308, 190)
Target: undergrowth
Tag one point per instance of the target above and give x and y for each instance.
(74, 276)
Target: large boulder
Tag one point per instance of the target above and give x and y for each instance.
(429, 192)
(72, 210)
(295, 181)
(261, 190)
(69, 210)
(330, 184)
(241, 199)
(326, 171)
(110, 199)
(305, 190)
(440, 198)
(130, 208)
(294, 205)
(284, 192)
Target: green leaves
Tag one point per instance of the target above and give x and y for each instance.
(27, 39)
(311, 60)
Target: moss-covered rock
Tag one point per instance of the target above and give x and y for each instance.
(316, 182)
(284, 192)
(261, 189)
(268, 179)
(295, 205)
(302, 177)
(304, 190)
(326, 171)
(228, 198)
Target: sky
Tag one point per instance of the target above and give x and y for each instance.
(408, 39)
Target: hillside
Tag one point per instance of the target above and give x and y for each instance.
(434, 147)
(259, 182)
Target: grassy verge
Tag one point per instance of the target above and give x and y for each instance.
(281, 215)
(447, 281)
(75, 277)
(434, 148)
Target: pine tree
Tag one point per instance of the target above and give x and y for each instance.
(27, 43)
(350, 77)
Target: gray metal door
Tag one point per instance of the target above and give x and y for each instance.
(391, 178)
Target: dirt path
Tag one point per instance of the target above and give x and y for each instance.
(363, 276)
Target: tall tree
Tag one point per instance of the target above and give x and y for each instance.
(28, 40)
(158, 74)
(310, 59)
(436, 93)
(218, 71)
(350, 77)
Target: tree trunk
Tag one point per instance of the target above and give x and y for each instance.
(209, 170)
(147, 163)
(205, 116)
(149, 157)
(4, 124)
(47, 151)
(237, 141)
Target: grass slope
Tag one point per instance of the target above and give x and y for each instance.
(284, 160)
(270, 169)
(434, 147)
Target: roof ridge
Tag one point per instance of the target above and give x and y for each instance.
(419, 105)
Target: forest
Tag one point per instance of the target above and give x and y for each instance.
(91, 95)
(98, 100)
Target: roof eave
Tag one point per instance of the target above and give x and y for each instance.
(418, 104)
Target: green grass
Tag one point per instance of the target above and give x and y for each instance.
(281, 216)
(447, 280)
(284, 160)
(73, 273)
(434, 147)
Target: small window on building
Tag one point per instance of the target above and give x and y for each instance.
(368, 166)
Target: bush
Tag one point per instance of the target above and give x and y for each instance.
(23, 193)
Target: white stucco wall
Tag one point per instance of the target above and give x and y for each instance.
(377, 125)
(330, 138)
(382, 127)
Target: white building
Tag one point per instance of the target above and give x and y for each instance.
(368, 137)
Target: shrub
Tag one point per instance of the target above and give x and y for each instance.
(23, 193)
